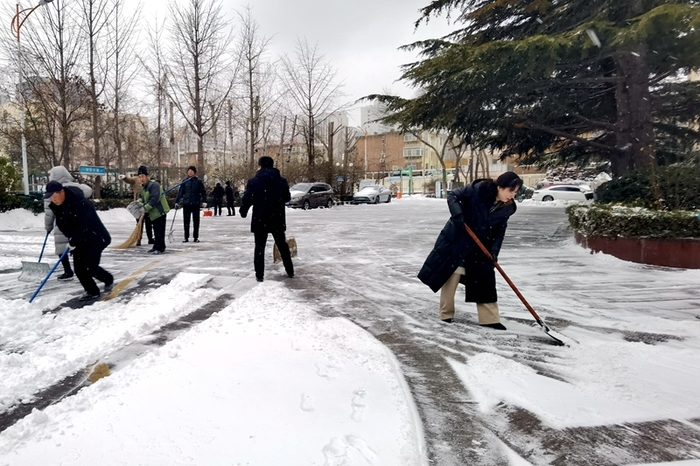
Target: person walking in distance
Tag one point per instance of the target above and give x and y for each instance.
(485, 207)
(157, 209)
(63, 176)
(88, 237)
(191, 196)
(231, 210)
(267, 193)
(218, 195)
(136, 186)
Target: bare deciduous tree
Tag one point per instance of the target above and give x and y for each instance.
(257, 82)
(154, 62)
(97, 15)
(122, 38)
(202, 70)
(310, 83)
(56, 102)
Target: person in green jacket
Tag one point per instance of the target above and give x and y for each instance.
(157, 208)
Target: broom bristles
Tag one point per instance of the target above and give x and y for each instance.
(133, 238)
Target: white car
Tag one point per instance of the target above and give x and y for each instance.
(372, 195)
(563, 192)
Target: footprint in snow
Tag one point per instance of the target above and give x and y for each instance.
(358, 405)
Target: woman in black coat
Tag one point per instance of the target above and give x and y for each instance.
(485, 206)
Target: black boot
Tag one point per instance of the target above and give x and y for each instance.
(496, 326)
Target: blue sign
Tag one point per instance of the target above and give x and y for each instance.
(88, 170)
(340, 178)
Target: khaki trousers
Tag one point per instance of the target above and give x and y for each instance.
(488, 312)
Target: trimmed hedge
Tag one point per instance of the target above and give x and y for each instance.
(34, 202)
(678, 186)
(633, 222)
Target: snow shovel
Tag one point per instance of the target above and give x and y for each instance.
(49, 275)
(172, 224)
(541, 323)
(33, 271)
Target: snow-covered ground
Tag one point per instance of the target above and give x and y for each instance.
(304, 371)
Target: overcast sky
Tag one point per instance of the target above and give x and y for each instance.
(360, 37)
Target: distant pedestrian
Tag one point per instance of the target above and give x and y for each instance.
(63, 176)
(218, 195)
(229, 199)
(485, 206)
(192, 196)
(78, 220)
(136, 186)
(157, 208)
(267, 192)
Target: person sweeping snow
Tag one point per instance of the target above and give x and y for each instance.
(485, 207)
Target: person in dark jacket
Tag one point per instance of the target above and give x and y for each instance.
(218, 195)
(485, 206)
(191, 196)
(88, 237)
(267, 193)
(157, 208)
(229, 200)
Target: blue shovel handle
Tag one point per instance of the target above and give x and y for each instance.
(49, 275)
(44, 246)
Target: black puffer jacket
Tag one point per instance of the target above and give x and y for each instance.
(267, 192)
(473, 205)
(77, 219)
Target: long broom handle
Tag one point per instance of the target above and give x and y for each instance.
(503, 273)
(49, 275)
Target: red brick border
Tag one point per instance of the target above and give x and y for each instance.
(682, 253)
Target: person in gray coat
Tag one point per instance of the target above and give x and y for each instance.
(63, 176)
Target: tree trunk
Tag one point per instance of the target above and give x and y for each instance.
(634, 134)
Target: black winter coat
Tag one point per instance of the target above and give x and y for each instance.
(473, 205)
(218, 192)
(229, 194)
(78, 220)
(267, 193)
(192, 192)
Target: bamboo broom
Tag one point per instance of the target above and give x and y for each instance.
(134, 237)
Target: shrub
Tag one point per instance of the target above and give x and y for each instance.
(678, 188)
(633, 222)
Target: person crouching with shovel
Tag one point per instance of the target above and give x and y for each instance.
(87, 236)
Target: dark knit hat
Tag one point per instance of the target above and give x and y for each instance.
(52, 187)
(193, 168)
(143, 170)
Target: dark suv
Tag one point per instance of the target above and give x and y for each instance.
(308, 195)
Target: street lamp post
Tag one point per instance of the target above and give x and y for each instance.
(16, 26)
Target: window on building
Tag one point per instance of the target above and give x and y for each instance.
(413, 152)
(409, 137)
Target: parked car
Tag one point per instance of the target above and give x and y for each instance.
(563, 192)
(309, 195)
(372, 195)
